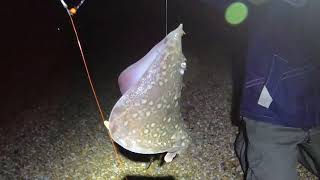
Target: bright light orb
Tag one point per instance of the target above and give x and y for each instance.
(236, 13)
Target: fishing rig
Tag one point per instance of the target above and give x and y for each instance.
(71, 13)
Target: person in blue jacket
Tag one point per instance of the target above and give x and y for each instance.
(280, 100)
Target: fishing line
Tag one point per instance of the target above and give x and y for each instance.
(166, 17)
(72, 11)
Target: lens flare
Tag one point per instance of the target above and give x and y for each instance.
(236, 13)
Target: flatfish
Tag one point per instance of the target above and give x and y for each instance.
(147, 118)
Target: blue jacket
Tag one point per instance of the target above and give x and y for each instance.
(282, 71)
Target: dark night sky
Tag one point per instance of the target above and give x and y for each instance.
(39, 47)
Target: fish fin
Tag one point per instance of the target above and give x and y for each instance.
(169, 156)
(106, 124)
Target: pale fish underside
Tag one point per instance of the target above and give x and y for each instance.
(147, 118)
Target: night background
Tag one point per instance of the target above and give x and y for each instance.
(50, 125)
(39, 47)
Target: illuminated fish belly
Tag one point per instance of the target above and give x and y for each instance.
(147, 118)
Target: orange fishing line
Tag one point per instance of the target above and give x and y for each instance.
(71, 12)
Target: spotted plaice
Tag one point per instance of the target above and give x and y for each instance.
(147, 118)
